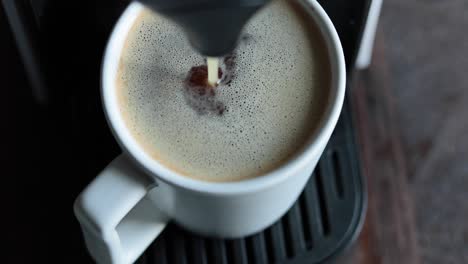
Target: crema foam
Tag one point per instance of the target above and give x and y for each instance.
(270, 99)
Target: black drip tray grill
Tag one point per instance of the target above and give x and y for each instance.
(325, 220)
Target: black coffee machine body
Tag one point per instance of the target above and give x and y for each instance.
(202, 21)
(59, 45)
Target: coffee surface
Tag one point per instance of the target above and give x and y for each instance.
(272, 93)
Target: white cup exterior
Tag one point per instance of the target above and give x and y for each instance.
(230, 209)
(226, 209)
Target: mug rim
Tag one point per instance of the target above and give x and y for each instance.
(151, 166)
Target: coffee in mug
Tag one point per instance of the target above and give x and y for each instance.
(271, 94)
(188, 145)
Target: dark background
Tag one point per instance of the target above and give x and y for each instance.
(38, 182)
(51, 151)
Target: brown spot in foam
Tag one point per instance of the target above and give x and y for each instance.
(199, 94)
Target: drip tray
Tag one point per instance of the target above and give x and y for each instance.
(324, 221)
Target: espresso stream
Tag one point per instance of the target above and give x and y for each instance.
(267, 103)
(212, 65)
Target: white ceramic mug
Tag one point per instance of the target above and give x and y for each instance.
(130, 202)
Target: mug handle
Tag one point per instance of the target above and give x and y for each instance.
(117, 219)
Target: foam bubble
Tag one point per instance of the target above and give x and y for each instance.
(272, 102)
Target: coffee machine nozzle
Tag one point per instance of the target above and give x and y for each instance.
(213, 27)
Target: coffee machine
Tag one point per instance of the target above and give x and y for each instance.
(60, 45)
(212, 26)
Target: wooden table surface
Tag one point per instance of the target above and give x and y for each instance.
(389, 233)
